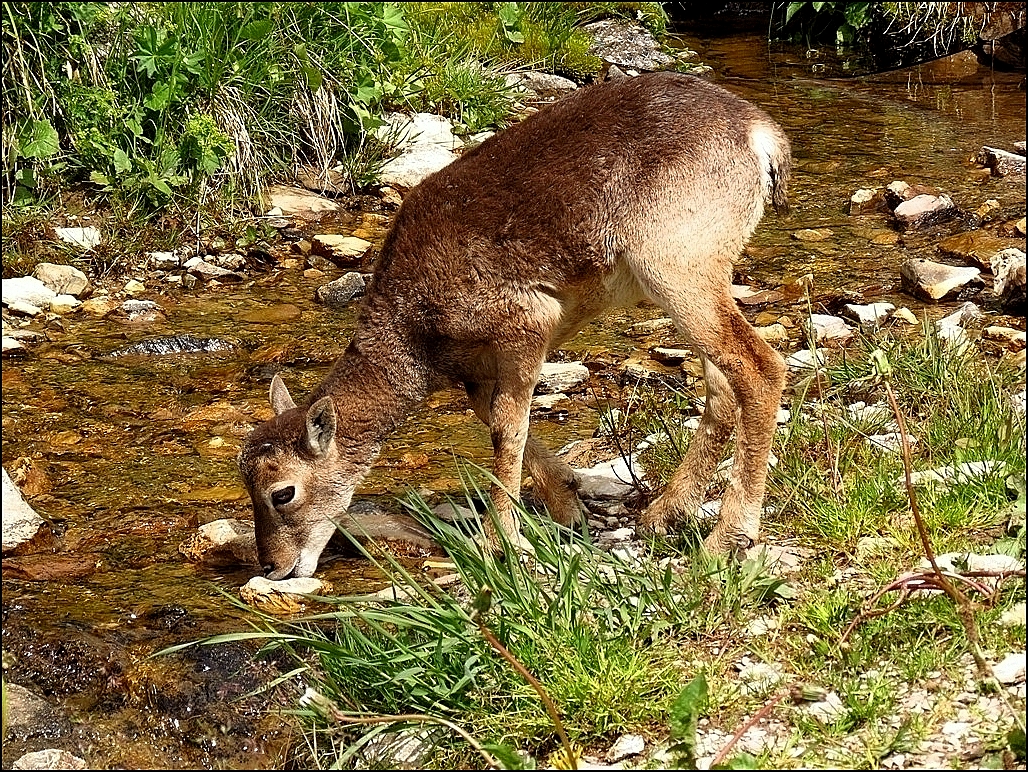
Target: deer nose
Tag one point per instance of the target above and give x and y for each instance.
(268, 569)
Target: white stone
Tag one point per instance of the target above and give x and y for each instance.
(561, 376)
(759, 678)
(804, 359)
(1013, 616)
(62, 279)
(63, 304)
(1011, 669)
(410, 168)
(420, 130)
(956, 473)
(955, 562)
(20, 521)
(870, 314)
(626, 745)
(828, 710)
(51, 758)
(26, 289)
(891, 441)
(86, 238)
(608, 479)
(966, 313)
(827, 327)
(133, 287)
(906, 315)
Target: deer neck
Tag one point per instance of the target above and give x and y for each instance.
(374, 385)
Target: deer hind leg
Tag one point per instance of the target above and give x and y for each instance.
(554, 479)
(740, 359)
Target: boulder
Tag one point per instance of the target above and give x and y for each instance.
(21, 523)
(296, 202)
(420, 130)
(408, 169)
(1008, 268)
(923, 210)
(62, 279)
(1001, 162)
(824, 327)
(871, 314)
(339, 293)
(627, 44)
(26, 290)
(561, 377)
(974, 247)
(608, 479)
(933, 281)
(341, 250)
(283, 597)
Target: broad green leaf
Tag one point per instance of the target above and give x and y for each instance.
(791, 9)
(393, 19)
(739, 761)
(1016, 740)
(122, 163)
(99, 178)
(161, 185)
(41, 140)
(258, 29)
(685, 712)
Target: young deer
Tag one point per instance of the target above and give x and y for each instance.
(640, 188)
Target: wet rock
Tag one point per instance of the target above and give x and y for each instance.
(64, 304)
(923, 210)
(277, 314)
(27, 715)
(201, 269)
(642, 368)
(974, 247)
(140, 311)
(1014, 339)
(1010, 670)
(51, 758)
(134, 287)
(561, 376)
(50, 567)
(62, 279)
(671, 356)
(84, 238)
(866, 201)
(26, 290)
(408, 169)
(12, 345)
(813, 234)
(627, 44)
(933, 281)
(297, 202)
(341, 292)
(22, 525)
(542, 84)
(222, 542)
(341, 250)
(823, 327)
(905, 315)
(985, 212)
(651, 326)
(968, 312)
(549, 401)
(100, 306)
(1008, 267)
(872, 314)
(283, 597)
(608, 479)
(174, 344)
(1001, 162)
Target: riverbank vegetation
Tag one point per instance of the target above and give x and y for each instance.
(649, 643)
(158, 107)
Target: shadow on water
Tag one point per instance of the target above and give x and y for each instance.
(131, 454)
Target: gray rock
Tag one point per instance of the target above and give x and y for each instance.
(933, 281)
(828, 710)
(872, 314)
(26, 290)
(626, 745)
(824, 327)
(64, 304)
(1000, 162)
(759, 678)
(542, 84)
(51, 758)
(62, 279)
(297, 202)
(1011, 669)
(561, 376)
(85, 238)
(608, 479)
(27, 715)
(968, 312)
(339, 293)
(627, 44)
(410, 168)
(1008, 268)
(923, 210)
(1012, 337)
(956, 562)
(804, 359)
(201, 269)
(21, 522)
(418, 131)
(141, 310)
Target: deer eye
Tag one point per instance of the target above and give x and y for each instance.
(283, 496)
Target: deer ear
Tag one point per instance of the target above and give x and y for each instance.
(280, 399)
(321, 426)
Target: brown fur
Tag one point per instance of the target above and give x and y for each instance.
(640, 188)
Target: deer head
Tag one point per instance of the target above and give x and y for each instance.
(299, 482)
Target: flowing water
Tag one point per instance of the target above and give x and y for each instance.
(131, 453)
